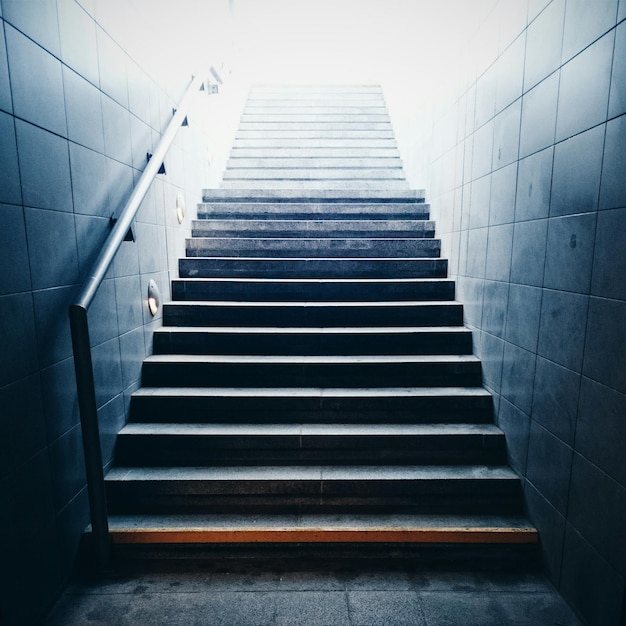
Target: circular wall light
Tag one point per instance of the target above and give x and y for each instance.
(154, 298)
(180, 208)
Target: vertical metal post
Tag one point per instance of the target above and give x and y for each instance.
(83, 366)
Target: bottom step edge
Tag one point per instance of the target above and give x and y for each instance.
(450, 535)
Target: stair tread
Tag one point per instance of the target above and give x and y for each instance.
(358, 473)
(331, 330)
(346, 194)
(313, 303)
(311, 359)
(312, 392)
(334, 430)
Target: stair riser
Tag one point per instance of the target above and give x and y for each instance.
(203, 374)
(268, 291)
(296, 497)
(298, 116)
(347, 196)
(313, 248)
(313, 211)
(332, 229)
(289, 173)
(322, 133)
(291, 410)
(162, 451)
(363, 184)
(311, 344)
(298, 315)
(314, 268)
(317, 153)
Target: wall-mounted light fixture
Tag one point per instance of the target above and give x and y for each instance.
(180, 207)
(154, 297)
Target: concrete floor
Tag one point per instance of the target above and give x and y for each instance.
(193, 596)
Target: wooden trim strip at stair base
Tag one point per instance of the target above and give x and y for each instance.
(319, 535)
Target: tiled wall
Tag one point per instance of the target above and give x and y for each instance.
(525, 167)
(77, 116)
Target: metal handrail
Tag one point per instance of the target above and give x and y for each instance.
(79, 326)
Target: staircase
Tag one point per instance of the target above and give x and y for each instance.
(313, 384)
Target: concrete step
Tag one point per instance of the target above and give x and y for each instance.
(314, 210)
(165, 445)
(356, 109)
(303, 143)
(306, 88)
(405, 529)
(312, 341)
(201, 370)
(300, 489)
(313, 101)
(313, 314)
(325, 247)
(306, 174)
(314, 116)
(271, 290)
(277, 184)
(345, 195)
(297, 132)
(232, 267)
(321, 228)
(314, 153)
(315, 126)
(313, 163)
(400, 405)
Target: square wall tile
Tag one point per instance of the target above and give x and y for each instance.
(510, 73)
(112, 419)
(602, 423)
(609, 260)
(479, 202)
(495, 300)
(551, 526)
(621, 12)
(555, 400)
(617, 98)
(506, 135)
(15, 276)
(10, 189)
(569, 254)
(78, 40)
(51, 248)
(597, 510)
(549, 466)
(21, 423)
(58, 383)
(522, 316)
(67, 467)
(116, 120)
(107, 371)
(44, 168)
(543, 44)
(518, 374)
(53, 328)
(113, 68)
(502, 197)
(563, 327)
(613, 189)
(534, 183)
(491, 351)
(499, 247)
(84, 111)
(483, 150)
(120, 183)
(38, 92)
(605, 357)
(133, 351)
(529, 251)
(91, 233)
(485, 97)
(576, 174)
(103, 324)
(580, 109)
(18, 358)
(585, 22)
(5, 88)
(477, 252)
(589, 583)
(37, 20)
(89, 188)
(516, 427)
(539, 116)
(130, 302)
